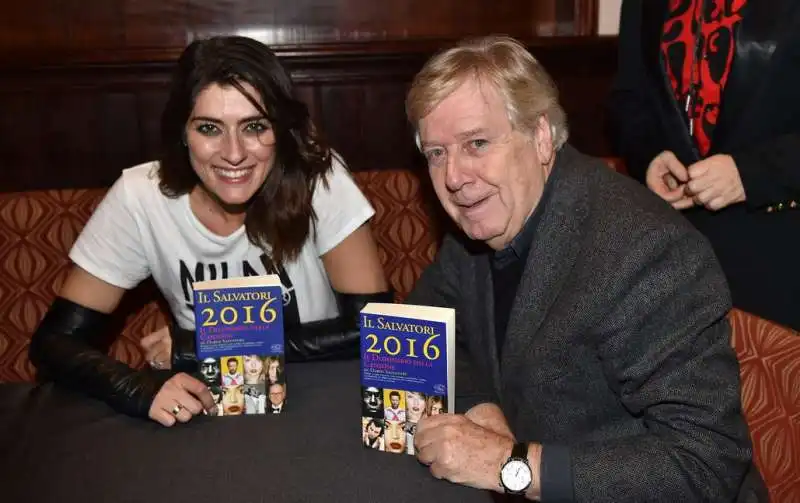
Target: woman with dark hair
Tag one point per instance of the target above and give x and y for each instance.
(244, 187)
(273, 370)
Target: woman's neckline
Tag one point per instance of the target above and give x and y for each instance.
(204, 211)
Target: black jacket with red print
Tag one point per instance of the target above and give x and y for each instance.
(757, 123)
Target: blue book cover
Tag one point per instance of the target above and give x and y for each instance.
(407, 371)
(240, 343)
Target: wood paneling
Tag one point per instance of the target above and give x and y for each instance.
(79, 125)
(45, 31)
(83, 82)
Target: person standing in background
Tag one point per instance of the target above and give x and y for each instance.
(703, 111)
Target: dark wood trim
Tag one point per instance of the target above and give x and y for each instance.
(44, 32)
(337, 63)
(298, 54)
(586, 17)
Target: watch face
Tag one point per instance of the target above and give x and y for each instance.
(516, 475)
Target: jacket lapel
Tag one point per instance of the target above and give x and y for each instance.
(553, 252)
(759, 35)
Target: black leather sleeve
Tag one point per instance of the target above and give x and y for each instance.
(333, 339)
(66, 348)
(184, 352)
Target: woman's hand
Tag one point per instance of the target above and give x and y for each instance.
(157, 348)
(715, 182)
(180, 399)
(667, 177)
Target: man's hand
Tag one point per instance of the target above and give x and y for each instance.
(459, 450)
(667, 177)
(715, 182)
(157, 348)
(491, 417)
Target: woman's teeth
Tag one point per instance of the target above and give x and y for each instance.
(233, 173)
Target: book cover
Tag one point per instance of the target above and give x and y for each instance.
(407, 371)
(240, 343)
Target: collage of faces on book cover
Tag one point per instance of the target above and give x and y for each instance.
(390, 416)
(248, 384)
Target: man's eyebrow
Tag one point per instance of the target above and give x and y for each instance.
(471, 133)
(423, 145)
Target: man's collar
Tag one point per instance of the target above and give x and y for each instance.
(518, 248)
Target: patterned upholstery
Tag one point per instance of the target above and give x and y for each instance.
(406, 223)
(616, 164)
(38, 228)
(36, 231)
(769, 358)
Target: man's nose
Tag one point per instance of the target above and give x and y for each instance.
(233, 151)
(455, 172)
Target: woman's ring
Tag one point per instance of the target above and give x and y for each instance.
(156, 364)
(177, 409)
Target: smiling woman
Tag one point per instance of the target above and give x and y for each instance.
(231, 109)
(244, 187)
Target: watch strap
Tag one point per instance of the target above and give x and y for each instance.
(520, 450)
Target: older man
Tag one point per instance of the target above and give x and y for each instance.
(594, 358)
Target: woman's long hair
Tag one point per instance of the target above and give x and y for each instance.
(280, 216)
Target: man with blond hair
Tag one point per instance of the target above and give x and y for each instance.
(594, 359)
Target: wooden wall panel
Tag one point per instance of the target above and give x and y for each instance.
(37, 31)
(83, 82)
(79, 125)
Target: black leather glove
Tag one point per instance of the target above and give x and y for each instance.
(67, 349)
(184, 347)
(334, 339)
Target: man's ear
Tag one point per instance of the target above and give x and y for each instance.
(543, 141)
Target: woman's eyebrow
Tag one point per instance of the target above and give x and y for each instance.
(205, 118)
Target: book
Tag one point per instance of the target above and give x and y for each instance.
(407, 371)
(240, 343)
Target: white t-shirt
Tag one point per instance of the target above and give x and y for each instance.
(136, 231)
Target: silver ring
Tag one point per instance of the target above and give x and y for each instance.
(156, 364)
(177, 409)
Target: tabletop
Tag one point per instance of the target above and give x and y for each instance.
(56, 445)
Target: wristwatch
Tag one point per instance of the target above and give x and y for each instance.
(516, 474)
